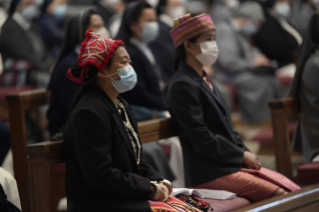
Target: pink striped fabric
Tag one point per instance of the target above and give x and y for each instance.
(187, 27)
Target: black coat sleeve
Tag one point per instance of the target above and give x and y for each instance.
(93, 147)
(184, 103)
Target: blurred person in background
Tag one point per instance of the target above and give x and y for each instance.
(277, 39)
(52, 25)
(25, 57)
(223, 9)
(305, 87)
(62, 89)
(302, 10)
(140, 27)
(115, 21)
(244, 66)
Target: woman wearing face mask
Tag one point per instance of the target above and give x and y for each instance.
(214, 154)
(277, 39)
(105, 169)
(52, 26)
(140, 27)
(62, 89)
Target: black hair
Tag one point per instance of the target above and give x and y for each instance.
(180, 54)
(137, 12)
(161, 7)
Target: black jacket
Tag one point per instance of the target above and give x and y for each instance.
(63, 93)
(147, 91)
(211, 147)
(101, 170)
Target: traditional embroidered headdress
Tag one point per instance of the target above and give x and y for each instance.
(187, 27)
(96, 50)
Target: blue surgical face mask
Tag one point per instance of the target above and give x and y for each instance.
(59, 11)
(30, 12)
(283, 9)
(128, 79)
(250, 29)
(38, 2)
(150, 31)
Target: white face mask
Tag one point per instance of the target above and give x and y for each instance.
(149, 31)
(283, 9)
(177, 12)
(209, 53)
(232, 4)
(103, 32)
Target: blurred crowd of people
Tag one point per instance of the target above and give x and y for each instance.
(258, 42)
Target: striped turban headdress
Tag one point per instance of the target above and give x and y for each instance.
(96, 50)
(187, 27)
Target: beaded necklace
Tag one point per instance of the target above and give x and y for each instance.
(130, 131)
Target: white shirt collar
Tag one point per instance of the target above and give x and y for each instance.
(23, 23)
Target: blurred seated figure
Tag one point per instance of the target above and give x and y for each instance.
(223, 9)
(244, 66)
(277, 39)
(52, 25)
(25, 57)
(215, 156)
(138, 29)
(62, 89)
(305, 86)
(302, 11)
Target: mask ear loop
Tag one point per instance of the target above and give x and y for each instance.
(110, 75)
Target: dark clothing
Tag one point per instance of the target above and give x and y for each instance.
(101, 169)
(211, 147)
(305, 87)
(4, 142)
(63, 93)
(147, 91)
(165, 50)
(53, 33)
(275, 42)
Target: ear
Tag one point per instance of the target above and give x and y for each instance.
(101, 74)
(188, 46)
(134, 28)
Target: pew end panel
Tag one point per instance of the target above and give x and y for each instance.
(18, 104)
(281, 111)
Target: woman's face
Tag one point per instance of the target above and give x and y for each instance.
(120, 59)
(96, 23)
(194, 48)
(147, 15)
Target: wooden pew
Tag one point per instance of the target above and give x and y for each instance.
(43, 155)
(18, 105)
(281, 111)
(304, 200)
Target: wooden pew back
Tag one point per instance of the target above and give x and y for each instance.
(42, 155)
(18, 105)
(281, 111)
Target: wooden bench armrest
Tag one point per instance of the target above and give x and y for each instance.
(29, 99)
(152, 130)
(281, 111)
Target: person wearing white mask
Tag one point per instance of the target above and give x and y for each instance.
(215, 156)
(223, 9)
(52, 25)
(138, 29)
(277, 38)
(242, 65)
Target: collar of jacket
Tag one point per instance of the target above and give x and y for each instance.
(183, 66)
